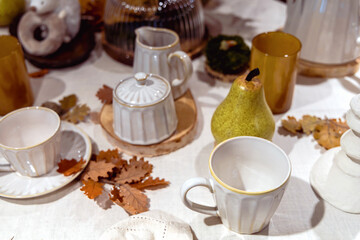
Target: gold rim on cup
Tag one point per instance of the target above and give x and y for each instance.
(242, 191)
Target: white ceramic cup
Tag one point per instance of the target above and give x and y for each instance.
(157, 50)
(30, 140)
(248, 179)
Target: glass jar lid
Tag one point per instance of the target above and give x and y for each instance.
(142, 90)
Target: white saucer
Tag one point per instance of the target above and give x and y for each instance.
(74, 144)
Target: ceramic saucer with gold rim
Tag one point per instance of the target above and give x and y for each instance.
(75, 144)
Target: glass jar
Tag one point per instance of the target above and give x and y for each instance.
(122, 17)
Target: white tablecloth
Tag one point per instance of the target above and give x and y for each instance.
(69, 214)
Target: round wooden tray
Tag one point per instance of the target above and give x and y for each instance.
(311, 69)
(185, 132)
(224, 77)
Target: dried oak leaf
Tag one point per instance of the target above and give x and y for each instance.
(117, 199)
(309, 123)
(328, 133)
(107, 155)
(114, 194)
(135, 198)
(92, 188)
(69, 167)
(291, 124)
(130, 174)
(135, 171)
(141, 163)
(112, 156)
(105, 94)
(39, 74)
(77, 114)
(150, 183)
(53, 106)
(98, 169)
(68, 102)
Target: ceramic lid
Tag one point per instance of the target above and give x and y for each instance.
(142, 90)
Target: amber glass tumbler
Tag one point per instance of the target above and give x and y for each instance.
(276, 55)
(15, 90)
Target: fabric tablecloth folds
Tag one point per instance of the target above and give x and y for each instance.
(150, 225)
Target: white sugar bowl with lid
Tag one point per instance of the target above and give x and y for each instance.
(144, 109)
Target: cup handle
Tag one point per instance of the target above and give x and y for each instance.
(196, 182)
(187, 64)
(5, 167)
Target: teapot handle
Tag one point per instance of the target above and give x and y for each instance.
(187, 65)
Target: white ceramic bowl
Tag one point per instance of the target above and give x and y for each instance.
(144, 109)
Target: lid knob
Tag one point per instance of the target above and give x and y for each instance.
(141, 78)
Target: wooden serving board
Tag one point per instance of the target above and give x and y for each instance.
(185, 132)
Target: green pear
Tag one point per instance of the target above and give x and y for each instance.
(244, 111)
(9, 9)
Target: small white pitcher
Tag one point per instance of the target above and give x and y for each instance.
(157, 50)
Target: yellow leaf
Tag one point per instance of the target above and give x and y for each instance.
(309, 123)
(68, 102)
(328, 133)
(77, 114)
(291, 124)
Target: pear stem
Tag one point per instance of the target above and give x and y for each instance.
(253, 73)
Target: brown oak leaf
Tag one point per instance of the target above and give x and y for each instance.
(77, 114)
(92, 188)
(117, 199)
(328, 133)
(141, 163)
(135, 171)
(69, 167)
(53, 106)
(39, 74)
(105, 94)
(130, 174)
(150, 183)
(114, 194)
(98, 169)
(112, 156)
(135, 198)
(291, 124)
(309, 123)
(68, 102)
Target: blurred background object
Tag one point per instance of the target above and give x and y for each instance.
(122, 17)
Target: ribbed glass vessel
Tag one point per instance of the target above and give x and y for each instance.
(122, 17)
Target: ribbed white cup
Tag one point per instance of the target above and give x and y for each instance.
(248, 179)
(30, 140)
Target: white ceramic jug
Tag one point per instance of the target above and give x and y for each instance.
(157, 50)
(327, 29)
